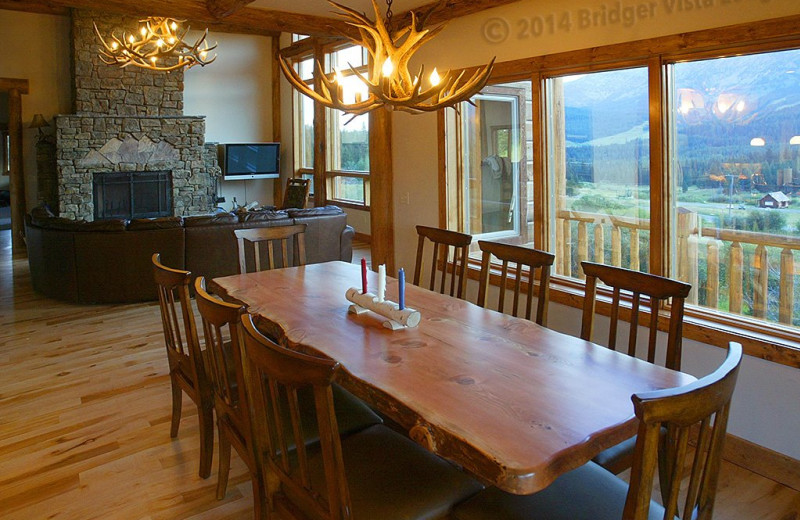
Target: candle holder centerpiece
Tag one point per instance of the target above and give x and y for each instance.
(398, 315)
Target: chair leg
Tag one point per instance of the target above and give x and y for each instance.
(224, 463)
(177, 401)
(206, 417)
(260, 507)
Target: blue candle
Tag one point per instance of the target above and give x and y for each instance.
(401, 288)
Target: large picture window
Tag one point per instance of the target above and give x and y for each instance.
(735, 164)
(683, 165)
(599, 167)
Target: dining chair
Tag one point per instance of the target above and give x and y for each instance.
(698, 411)
(372, 474)
(522, 257)
(443, 241)
(222, 334)
(657, 289)
(296, 194)
(187, 364)
(274, 237)
(222, 331)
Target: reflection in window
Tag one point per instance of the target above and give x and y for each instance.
(735, 164)
(488, 165)
(599, 167)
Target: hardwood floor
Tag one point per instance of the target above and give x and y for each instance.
(85, 410)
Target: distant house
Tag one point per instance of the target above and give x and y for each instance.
(775, 199)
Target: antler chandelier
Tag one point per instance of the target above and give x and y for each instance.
(389, 82)
(160, 46)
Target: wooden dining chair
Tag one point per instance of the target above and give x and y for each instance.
(443, 241)
(187, 366)
(222, 334)
(222, 331)
(696, 411)
(276, 240)
(522, 257)
(657, 289)
(296, 195)
(372, 474)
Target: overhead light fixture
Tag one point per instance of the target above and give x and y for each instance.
(389, 82)
(160, 45)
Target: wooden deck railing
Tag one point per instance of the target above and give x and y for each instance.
(745, 272)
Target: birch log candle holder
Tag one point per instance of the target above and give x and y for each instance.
(396, 318)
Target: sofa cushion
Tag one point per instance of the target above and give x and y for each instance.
(139, 224)
(59, 223)
(314, 212)
(112, 224)
(210, 220)
(263, 216)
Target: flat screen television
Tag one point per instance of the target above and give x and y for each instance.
(243, 161)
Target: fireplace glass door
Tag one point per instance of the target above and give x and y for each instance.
(130, 195)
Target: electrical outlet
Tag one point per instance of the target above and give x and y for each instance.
(405, 198)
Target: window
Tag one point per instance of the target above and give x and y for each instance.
(304, 124)
(684, 164)
(488, 164)
(346, 170)
(735, 165)
(599, 167)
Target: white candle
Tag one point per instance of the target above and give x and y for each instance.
(381, 282)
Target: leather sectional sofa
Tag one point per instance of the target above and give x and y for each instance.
(108, 261)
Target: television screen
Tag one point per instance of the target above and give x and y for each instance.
(251, 161)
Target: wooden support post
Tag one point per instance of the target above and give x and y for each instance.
(381, 194)
(17, 181)
(787, 287)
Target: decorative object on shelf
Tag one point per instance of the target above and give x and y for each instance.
(41, 123)
(160, 46)
(389, 82)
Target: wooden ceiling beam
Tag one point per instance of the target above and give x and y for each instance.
(446, 10)
(223, 8)
(246, 20)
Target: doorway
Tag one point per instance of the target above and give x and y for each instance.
(11, 102)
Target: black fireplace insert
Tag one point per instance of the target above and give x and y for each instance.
(130, 195)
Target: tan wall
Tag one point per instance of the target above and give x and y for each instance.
(36, 47)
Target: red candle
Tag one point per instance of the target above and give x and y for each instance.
(363, 276)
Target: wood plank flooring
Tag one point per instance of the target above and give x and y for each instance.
(85, 410)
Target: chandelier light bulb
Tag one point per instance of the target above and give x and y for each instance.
(388, 67)
(143, 30)
(160, 43)
(131, 39)
(114, 45)
(435, 79)
(171, 40)
(174, 26)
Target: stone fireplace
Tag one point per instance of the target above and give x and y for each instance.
(128, 120)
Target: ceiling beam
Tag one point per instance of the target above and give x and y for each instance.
(446, 10)
(232, 16)
(246, 20)
(223, 8)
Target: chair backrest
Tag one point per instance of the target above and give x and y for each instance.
(522, 257)
(279, 236)
(222, 334)
(657, 288)
(274, 376)
(180, 333)
(443, 240)
(296, 193)
(701, 407)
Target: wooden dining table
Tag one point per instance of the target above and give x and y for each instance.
(514, 403)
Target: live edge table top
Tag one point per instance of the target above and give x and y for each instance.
(515, 403)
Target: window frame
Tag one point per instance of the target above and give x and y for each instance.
(771, 341)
